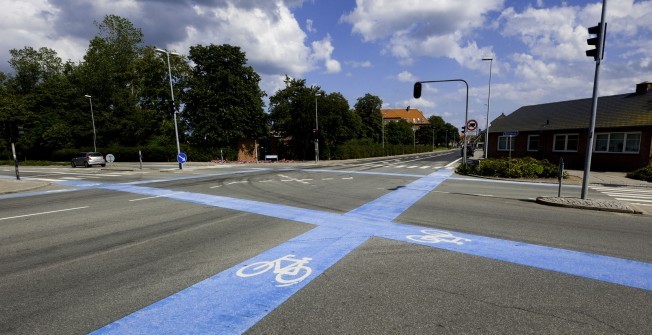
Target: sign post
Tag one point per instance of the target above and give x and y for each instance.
(182, 158)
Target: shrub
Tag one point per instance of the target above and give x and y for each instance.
(527, 167)
(642, 174)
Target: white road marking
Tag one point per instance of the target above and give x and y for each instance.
(158, 196)
(42, 213)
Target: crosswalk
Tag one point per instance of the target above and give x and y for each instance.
(632, 194)
(376, 165)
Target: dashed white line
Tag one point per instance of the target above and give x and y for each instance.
(42, 213)
(158, 196)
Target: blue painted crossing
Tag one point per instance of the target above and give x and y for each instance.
(229, 304)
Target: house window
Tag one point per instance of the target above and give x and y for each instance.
(504, 143)
(566, 142)
(617, 142)
(533, 143)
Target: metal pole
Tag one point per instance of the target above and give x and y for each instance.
(486, 131)
(90, 99)
(316, 131)
(13, 152)
(382, 121)
(433, 138)
(594, 107)
(174, 112)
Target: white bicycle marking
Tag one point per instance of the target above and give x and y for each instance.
(287, 275)
(436, 236)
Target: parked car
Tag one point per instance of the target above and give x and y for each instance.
(88, 159)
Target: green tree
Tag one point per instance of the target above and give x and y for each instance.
(368, 109)
(292, 117)
(399, 132)
(224, 102)
(108, 75)
(337, 123)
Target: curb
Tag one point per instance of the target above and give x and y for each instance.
(592, 204)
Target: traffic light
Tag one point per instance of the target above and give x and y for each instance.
(598, 41)
(463, 129)
(417, 90)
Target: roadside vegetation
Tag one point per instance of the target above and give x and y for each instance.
(642, 174)
(526, 167)
(52, 109)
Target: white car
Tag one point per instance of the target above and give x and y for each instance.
(88, 159)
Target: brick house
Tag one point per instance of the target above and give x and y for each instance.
(623, 132)
(412, 115)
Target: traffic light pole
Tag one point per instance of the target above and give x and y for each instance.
(594, 106)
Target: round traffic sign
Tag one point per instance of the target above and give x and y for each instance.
(471, 125)
(110, 158)
(182, 158)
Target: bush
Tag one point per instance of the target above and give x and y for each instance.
(526, 167)
(642, 174)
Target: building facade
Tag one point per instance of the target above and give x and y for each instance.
(622, 140)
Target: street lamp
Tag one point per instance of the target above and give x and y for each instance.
(486, 131)
(316, 130)
(174, 112)
(90, 100)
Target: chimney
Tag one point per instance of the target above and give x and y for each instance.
(643, 87)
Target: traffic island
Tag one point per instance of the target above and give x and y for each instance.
(594, 204)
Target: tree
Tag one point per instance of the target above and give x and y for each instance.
(108, 75)
(223, 100)
(292, 116)
(399, 132)
(337, 123)
(368, 108)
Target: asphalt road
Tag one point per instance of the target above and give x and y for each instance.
(376, 247)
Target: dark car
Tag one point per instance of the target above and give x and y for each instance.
(469, 151)
(88, 159)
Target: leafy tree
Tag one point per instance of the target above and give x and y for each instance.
(107, 74)
(223, 100)
(337, 123)
(292, 116)
(33, 67)
(368, 109)
(399, 132)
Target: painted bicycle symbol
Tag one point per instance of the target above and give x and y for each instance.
(436, 236)
(294, 271)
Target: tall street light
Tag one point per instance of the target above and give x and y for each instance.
(90, 100)
(486, 131)
(174, 112)
(317, 95)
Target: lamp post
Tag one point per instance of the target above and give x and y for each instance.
(486, 131)
(90, 100)
(382, 123)
(174, 112)
(317, 95)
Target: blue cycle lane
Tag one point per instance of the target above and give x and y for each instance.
(234, 300)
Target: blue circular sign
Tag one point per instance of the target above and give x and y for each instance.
(182, 158)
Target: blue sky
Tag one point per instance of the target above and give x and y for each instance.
(377, 46)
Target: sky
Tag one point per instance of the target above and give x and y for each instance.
(379, 47)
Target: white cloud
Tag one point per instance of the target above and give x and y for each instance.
(310, 27)
(416, 28)
(354, 64)
(322, 51)
(406, 77)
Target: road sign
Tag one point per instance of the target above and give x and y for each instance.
(510, 133)
(471, 133)
(182, 158)
(471, 125)
(110, 158)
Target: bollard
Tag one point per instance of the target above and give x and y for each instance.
(560, 175)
